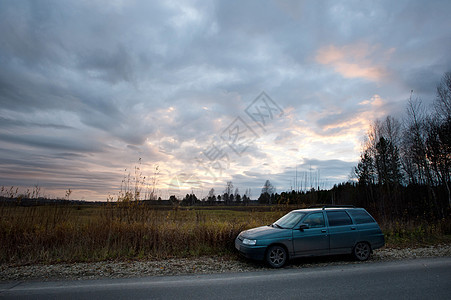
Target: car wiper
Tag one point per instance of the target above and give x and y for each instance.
(278, 226)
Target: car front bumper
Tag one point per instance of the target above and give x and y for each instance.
(252, 252)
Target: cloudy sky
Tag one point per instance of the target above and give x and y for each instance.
(205, 91)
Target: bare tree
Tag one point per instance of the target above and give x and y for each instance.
(439, 135)
(379, 162)
(211, 193)
(211, 198)
(438, 149)
(387, 163)
(443, 101)
(229, 188)
(237, 196)
(228, 192)
(414, 144)
(268, 188)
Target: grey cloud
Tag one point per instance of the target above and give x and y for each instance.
(51, 142)
(8, 122)
(112, 66)
(68, 155)
(26, 33)
(332, 164)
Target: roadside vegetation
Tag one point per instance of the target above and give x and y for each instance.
(132, 230)
(56, 233)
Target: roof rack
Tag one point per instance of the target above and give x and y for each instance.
(323, 206)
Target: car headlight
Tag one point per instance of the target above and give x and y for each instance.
(249, 242)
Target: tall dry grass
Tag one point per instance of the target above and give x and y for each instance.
(124, 230)
(130, 230)
(414, 232)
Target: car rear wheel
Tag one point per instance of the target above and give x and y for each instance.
(276, 256)
(362, 251)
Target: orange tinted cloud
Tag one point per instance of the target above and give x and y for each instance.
(375, 101)
(355, 61)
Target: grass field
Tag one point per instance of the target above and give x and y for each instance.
(73, 233)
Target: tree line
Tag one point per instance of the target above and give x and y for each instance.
(405, 163)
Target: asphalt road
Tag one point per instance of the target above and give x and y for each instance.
(409, 279)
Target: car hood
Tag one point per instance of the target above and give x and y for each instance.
(265, 232)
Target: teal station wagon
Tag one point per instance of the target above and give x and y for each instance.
(327, 230)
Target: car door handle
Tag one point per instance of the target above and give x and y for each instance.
(352, 228)
(324, 230)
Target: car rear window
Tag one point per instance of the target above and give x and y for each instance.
(361, 216)
(338, 218)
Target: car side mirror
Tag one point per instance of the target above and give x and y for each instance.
(304, 226)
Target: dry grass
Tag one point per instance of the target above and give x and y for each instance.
(127, 230)
(416, 232)
(123, 231)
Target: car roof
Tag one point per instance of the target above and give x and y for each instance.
(328, 208)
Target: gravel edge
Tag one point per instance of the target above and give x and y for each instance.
(197, 265)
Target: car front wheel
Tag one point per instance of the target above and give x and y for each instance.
(362, 251)
(276, 256)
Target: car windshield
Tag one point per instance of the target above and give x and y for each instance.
(289, 220)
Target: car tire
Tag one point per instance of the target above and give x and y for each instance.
(276, 256)
(362, 251)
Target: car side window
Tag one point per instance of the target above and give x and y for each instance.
(361, 217)
(314, 220)
(338, 218)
